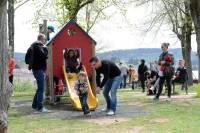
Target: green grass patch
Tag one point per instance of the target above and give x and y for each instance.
(177, 116)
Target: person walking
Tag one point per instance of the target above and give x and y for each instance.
(166, 72)
(111, 81)
(124, 73)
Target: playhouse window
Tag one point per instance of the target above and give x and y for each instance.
(71, 32)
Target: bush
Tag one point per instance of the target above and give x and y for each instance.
(198, 90)
(23, 87)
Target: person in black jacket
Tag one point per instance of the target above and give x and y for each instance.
(181, 75)
(142, 69)
(39, 56)
(166, 72)
(111, 81)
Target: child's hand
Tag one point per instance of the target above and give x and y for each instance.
(77, 92)
(97, 90)
(81, 89)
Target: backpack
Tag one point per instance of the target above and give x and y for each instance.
(29, 57)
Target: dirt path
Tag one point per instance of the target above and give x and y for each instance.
(125, 109)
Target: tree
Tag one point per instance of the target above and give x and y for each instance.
(175, 13)
(11, 25)
(178, 12)
(73, 6)
(5, 88)
(195, 11)
(11, 21)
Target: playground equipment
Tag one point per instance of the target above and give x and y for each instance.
(71, 36)
(70, 80)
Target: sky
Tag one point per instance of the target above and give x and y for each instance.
(116, 33)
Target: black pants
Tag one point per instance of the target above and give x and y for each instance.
(84, 105)
(11, 79)
(143, 85)
(169, 85)
(133, 85)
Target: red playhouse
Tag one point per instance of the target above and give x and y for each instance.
(71, 36)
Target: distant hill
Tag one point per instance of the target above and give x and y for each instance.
(19, 56)
(132, 56)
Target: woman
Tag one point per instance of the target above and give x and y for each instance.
(166, 62)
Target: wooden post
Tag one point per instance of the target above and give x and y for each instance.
(93, 84)
(43, 28)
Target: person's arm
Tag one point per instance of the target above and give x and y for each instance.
(171, 62)
(106, 74)
(42, 51)
(98, 78)
(104, 80)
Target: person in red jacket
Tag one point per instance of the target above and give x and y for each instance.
(11, 67)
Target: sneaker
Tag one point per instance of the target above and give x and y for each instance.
(44, 110)
(104, 110)
(168, 99)
(152, 88)
(88, 114)
(110, 113)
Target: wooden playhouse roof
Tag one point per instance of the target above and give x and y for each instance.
(71, 22)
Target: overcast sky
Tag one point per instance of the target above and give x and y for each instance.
(115, 33)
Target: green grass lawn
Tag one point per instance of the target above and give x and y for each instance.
(136, 113)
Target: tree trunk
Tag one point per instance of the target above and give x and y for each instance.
(73, 14)
(195, 11)
(11, 25)
(5, 87)
(188, 58)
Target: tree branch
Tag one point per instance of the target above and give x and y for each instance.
(85, 3)
(21, 4)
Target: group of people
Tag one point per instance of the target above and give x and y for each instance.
(113, 75)
(164, 72)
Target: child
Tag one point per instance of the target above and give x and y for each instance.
(72, 63)
(81, 87)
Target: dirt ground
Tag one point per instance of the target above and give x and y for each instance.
(124, 110)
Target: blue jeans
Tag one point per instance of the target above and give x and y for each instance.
(84, 105)
(38, 98)
(112, 85)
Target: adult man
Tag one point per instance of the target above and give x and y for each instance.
(112, 79)
(39, 55)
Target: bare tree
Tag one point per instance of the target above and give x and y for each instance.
(175, 13)
(11, 21)
(195, 11)
(180, 18)
(5, 88)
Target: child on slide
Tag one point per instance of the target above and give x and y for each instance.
(81, 87)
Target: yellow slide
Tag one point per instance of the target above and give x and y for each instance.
(70, 81)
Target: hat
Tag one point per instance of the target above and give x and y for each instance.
(51, 28)
(82, 74)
